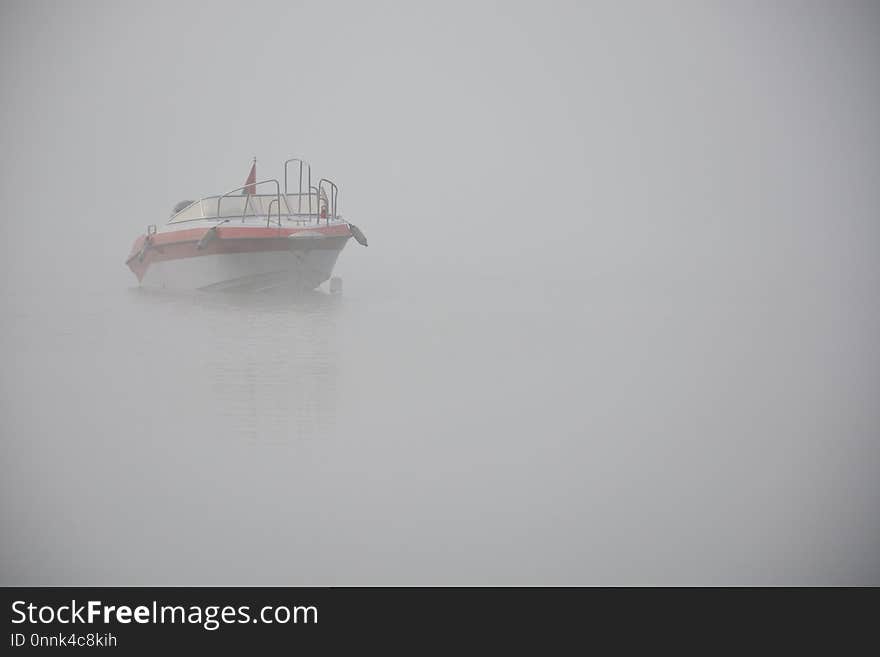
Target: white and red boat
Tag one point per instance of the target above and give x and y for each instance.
(244, 240)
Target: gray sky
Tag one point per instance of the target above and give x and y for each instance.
(638, 153)
(653, 133)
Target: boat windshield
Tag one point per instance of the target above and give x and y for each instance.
(293, 206)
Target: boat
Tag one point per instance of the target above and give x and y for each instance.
(244, 240)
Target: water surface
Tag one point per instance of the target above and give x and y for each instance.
(481, 429)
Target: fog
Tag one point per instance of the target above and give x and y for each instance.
(617, 323)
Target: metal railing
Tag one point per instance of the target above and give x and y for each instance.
(303, 213)
(331, 211)
(248, 200)
(269, 212)
(300, 188)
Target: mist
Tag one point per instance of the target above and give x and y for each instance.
(617, 322)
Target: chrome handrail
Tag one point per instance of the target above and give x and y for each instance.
(317, 193)
(269, 212)
(331, 211)
(300, 188)
(320, 192)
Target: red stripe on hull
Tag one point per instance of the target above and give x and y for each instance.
(229, 239)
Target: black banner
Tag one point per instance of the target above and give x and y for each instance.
(126, 620)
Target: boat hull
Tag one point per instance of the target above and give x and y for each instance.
(238, 259)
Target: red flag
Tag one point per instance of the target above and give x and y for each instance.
(250, 187)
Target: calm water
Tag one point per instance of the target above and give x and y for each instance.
(479, 430)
